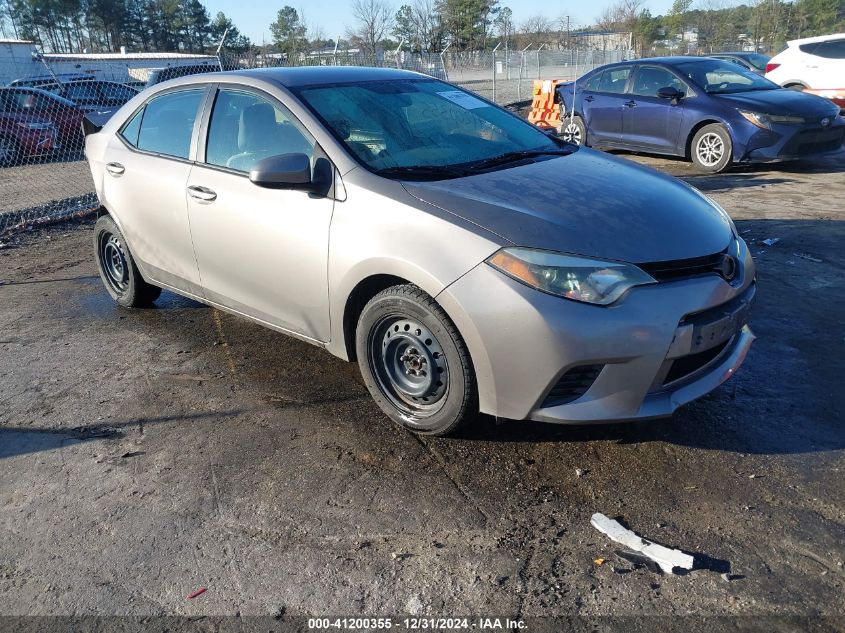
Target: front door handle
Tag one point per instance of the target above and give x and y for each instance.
(115, 169)
(630, 104)
(589, 98)
(203, 194)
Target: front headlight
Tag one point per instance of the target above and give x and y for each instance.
(570, 276)
(765, 121)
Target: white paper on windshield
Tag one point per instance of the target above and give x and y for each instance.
(466, 101)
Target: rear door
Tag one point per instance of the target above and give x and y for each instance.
(262, 252)
(648, 121)
(147, 167)
(603, 100)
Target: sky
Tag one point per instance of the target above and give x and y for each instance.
(253, 17)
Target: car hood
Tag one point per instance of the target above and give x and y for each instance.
(587, 203)
(781, 101)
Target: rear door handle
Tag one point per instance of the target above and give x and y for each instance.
(115, 169)
(203, 194)
(630, 104)
(589, 98)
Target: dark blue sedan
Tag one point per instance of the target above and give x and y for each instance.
(707, 110)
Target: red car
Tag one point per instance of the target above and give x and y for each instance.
(64, 114)
(23, 136)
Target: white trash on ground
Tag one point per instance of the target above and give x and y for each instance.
(668, 559)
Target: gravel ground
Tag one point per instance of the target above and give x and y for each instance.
(144, 454)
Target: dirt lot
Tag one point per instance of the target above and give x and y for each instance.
(144, 454)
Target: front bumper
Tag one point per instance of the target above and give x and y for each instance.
(522, 342)
(785, 142)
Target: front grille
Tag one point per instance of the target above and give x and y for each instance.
(681, 268)
(814, 141)
(572, 385)
(687, 365)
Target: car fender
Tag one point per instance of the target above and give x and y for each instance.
(405, 238)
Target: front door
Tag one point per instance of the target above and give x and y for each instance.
(262, 252)
(649, 122)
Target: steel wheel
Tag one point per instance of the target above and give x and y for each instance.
(572, 133)
(409, 365)
(114, 263)
(710, 149)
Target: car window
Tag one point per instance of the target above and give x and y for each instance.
(650, 79)
(758, 61)
(592, 84)
(246, 128)
(81, 92)
(418, 123)
(168, 123)
(116, 91)
(715, 76)
(613, 80)
(130, 130)
(831, 50)
(19, 100)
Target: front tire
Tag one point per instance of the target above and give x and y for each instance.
(117, 268)
(711, 149)
(415, 363)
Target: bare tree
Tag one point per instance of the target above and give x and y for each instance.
(374, 20)
(429, 25)
(621, 16)
(535, 30)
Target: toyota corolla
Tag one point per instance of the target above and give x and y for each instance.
(465, 259)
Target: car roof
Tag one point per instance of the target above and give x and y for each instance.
(818, 38)
(660, 61)
(736, 54)
(310, 75)
(29, 89)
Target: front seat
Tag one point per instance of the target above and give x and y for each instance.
(257, 136)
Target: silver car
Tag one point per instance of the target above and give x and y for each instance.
(467, 260)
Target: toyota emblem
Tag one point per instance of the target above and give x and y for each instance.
(727, 267)
(825, 122)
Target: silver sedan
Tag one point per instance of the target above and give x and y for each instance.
(467, 260)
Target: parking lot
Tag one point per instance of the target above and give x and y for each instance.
(146, 454)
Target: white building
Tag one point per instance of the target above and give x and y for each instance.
(19, 59)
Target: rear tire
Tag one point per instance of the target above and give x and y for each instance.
(10, 151)
(117, 268)
(573, 130)
(711, 149)
(415, 363)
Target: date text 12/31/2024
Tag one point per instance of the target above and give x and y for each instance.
(416, 624)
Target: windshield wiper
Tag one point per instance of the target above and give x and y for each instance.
(423, 172)
(510, 157)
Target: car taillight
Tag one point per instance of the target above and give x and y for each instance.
(771, 67)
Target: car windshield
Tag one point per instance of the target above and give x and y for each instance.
(401, 126)
(715, 76)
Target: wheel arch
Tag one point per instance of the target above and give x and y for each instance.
(363, 291)
(694, 130)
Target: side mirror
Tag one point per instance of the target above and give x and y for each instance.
(670, 93)
(286, 171)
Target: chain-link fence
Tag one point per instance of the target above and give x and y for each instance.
(43, 174)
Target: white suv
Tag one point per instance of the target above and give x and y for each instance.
(813, 62)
